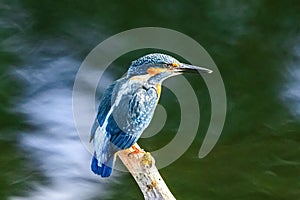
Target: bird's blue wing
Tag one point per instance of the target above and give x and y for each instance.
(104, 157)
(141, 108)
(134, 111)
(105, 104)
(103, 109)
(137, 113)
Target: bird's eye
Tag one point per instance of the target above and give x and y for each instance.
(173, 65)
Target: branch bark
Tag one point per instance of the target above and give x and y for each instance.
(142, 167)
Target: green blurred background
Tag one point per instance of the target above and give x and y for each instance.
(256, 46)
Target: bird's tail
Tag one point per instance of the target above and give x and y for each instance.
(103, 169)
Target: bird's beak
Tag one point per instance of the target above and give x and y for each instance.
(185, 68)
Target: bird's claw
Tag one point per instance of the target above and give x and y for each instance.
(136, 151)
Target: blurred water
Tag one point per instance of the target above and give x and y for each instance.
(55, 146)
(291, 91)
(47, 71)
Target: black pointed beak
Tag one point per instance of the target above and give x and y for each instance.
(186, 68)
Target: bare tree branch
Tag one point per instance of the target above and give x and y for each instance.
(142, 167)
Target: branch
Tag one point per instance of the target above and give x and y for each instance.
(142, 167)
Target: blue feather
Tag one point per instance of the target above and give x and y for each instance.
(112, 126)
(103, 171)
(105, 104)
(123, 140)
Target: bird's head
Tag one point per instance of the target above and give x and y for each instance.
(157, 67)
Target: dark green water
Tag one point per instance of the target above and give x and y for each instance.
(256, 46)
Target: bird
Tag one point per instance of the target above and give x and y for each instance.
(127, 107)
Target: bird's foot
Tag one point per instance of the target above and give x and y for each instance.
(136, 150)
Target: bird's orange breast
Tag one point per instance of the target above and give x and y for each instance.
(158, 89)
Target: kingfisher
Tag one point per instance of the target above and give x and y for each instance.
(128, 105)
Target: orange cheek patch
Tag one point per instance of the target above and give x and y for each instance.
(153, 71)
